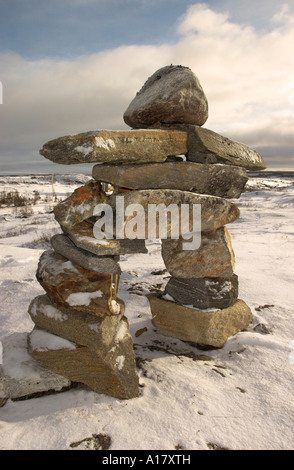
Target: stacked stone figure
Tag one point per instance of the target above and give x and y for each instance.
(166, 158)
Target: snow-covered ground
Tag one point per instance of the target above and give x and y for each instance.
(240, 397)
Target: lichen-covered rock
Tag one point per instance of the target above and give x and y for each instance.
(72, 286)
(112, 373)
(105, 146)
(100, 264)
(172, 95)
(207, 328)
(79, 205)
(217, 180)
(204, 293)
(214, 258)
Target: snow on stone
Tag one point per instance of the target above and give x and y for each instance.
(83, 298)
(84, 150)
(122, 332)
(41, 340)
(52, 312)
(120, 360)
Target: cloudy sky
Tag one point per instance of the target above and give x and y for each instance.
(70, 66)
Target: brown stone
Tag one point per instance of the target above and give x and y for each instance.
(79, 205)
(104, 146)
(112, 373)
(217, 180)
(173, 94)
(214, 258)
(72, 286)
(200, 327)
(96, 333)
(215, 212)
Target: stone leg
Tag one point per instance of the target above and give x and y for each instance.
(81, 332)
(200, 303)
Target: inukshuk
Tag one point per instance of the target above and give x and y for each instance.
(167, 158)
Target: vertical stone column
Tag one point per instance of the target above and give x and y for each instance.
(81, 331)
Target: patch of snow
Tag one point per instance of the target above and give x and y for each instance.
(83, 298)
(84, 150)
(52, 312)
(122, 332)
(41, 340)
(120, 360)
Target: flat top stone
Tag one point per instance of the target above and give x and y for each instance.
(172, 95)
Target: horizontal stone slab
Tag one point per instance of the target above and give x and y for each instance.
(217, 180)
(173, 94)
(112, 373)
(205, 328)
(71, 286)
(205, 293)
(100, 264)
(215, 211)
(106, 146)
(206, 146)
(96, 333)
(82, 236)
(214, 257)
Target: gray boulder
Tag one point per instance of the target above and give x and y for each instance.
(172, 95)
(204, 293)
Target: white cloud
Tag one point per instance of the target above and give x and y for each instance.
(247, 75)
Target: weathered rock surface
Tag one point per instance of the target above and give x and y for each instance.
(106, 146)
(21, 376)
(217, 180)
(112, 373)
(201, 327)
(72, 286)
(206, 146)
(100, 264)
(83, 237)
(204, 293)
(214, 258)
(79, 205)
(96, 333)
(215, 212)
(173, 94)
